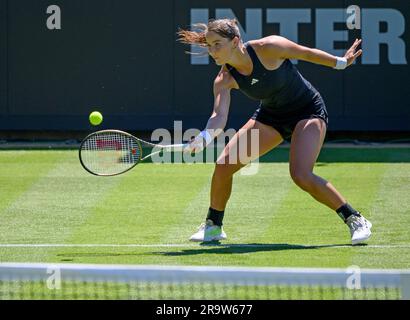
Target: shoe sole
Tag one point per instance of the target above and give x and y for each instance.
(358, 241)
(209, 239)
(215, 239)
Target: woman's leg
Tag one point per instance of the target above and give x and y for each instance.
(234, 157)
(237, 153)
(307, 140)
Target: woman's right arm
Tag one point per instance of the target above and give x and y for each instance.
(223, 84)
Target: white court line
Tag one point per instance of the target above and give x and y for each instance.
(170, 245)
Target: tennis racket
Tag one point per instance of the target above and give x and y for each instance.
(112, 152)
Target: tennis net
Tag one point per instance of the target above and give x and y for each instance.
(30, 281)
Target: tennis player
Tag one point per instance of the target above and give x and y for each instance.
(290, 107)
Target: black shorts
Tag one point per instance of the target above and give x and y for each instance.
(286, 122)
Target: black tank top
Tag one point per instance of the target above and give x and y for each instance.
(282, 90)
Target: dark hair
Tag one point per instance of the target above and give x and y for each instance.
(226, 28)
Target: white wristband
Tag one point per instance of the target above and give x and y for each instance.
(207, 136)
(341, 63)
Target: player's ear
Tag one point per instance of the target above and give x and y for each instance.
(235, 42)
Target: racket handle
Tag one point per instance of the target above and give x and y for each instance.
(176, 147)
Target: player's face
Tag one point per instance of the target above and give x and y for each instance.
(219, 48)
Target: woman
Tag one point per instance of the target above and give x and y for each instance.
(290, 107)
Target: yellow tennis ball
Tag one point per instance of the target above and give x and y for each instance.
(95, 118)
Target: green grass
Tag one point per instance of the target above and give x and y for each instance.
(47, 198)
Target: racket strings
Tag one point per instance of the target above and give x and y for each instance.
(110, 153)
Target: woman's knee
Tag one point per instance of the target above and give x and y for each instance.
(225, 170)
(302, 178)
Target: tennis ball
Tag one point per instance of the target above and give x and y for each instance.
(95, 118)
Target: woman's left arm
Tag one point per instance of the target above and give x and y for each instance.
(287, 49)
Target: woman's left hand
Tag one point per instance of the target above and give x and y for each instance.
(351, 54)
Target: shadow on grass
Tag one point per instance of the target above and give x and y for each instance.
(214, 247)
(217, 248)
(70, 257)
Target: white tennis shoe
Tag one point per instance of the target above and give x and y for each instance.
(359, 228)
(207, 231)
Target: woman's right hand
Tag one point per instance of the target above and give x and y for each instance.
(199, 143)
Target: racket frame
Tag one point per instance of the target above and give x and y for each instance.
(171, 147)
